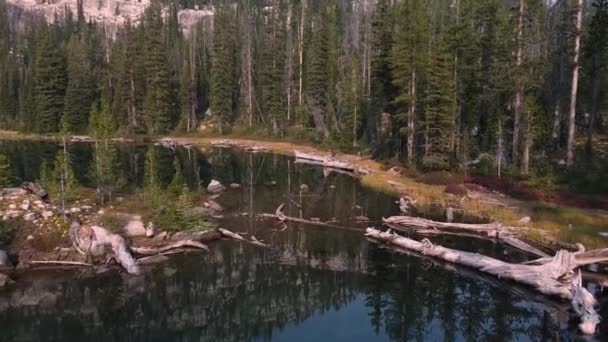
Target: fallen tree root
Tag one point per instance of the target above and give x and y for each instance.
(556, 278)
(179, 244)
(487, 230)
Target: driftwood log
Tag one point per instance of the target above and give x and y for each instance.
(282, 218)
(95, 241)
(239, 237)
(558, 277)
(494, 230)
(326, 162)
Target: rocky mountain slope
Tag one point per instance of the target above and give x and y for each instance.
(112, 13)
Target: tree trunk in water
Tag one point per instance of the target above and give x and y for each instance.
(518, 82)
(574, 91)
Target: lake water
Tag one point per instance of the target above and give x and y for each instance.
(311, 284)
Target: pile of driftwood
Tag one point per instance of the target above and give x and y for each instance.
(557, 276)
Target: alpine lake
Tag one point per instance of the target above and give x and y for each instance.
(310, 284)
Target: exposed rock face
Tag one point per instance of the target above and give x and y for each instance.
(111, 13)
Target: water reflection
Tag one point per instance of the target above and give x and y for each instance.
(313, 284)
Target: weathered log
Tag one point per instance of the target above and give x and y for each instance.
(59, 262)
(229, 234)
(490, 230)
(98, 241)
(581, 258)
(330, 162)
(176, 245)
(308, 222)
(235, 236)
(556, 278)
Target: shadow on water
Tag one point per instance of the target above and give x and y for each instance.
(312, 284)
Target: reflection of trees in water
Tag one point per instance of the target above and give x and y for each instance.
(413, 300)
(222, 298)
(241, 292)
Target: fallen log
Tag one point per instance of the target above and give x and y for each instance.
(180, 244)
(556, 278)
(229, 234)
(235, 236)
(305, 221)
(60, 263)
(488, 230)
(307, 158)
(558, 310)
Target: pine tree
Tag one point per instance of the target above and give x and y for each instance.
(380, 79)
(596, 47)
(439, 110)
(80, 87)
(223, 69)
(407, 64)
(158, 104)
(317, 81)
(273, 71)
(5, 171)
(49, 83)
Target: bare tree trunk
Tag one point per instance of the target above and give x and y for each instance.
(517, 106)
(574, 90)
(595, 97)
(499, 150)
(301, 56)
(133, 111)
(288, 84)
(525, 163)
(410, 119)
(193, 97)
(248, 69)
(556, 125)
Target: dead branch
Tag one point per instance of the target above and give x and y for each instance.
(163, 249)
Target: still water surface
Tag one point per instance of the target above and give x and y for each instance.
(312, 284)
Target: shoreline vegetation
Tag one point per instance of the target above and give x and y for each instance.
(519, 224)
(548, 223)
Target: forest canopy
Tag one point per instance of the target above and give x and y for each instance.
(437, 84)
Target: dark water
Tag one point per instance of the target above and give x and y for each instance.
(312, 284)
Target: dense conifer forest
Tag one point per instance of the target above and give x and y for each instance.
(510, 87)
